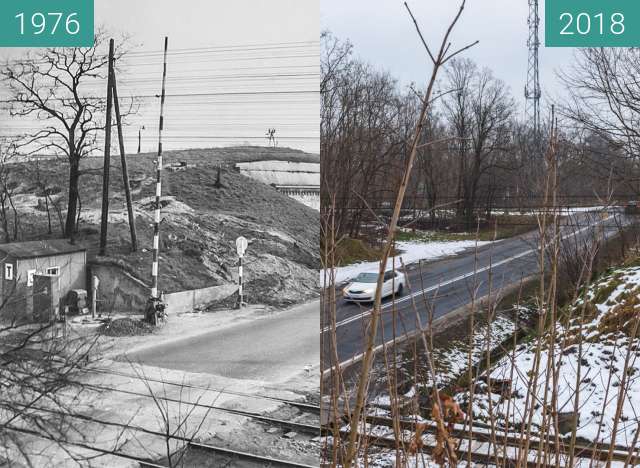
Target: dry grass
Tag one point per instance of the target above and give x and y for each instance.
(201, 222)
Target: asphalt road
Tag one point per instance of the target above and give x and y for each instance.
(450, 284)
(273, 348)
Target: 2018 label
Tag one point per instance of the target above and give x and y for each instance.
(581, 24)
(592, 23)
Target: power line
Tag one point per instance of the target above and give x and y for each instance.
(283, 78)
(186, 95)
(200, 50)
(276, 45)
(227, 77)
(218, 60)
(213, 137)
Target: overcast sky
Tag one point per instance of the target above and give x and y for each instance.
(383, 34)
(235, 69)
(204, 23)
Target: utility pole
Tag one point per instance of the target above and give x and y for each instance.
(156, 228)
(107, 157)
(140, 139)
(532, 90)
(123, 159)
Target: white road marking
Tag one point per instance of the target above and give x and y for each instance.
(407, 335)
(367, 313)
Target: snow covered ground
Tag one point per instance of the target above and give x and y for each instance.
(562, 211)
(412, 252)
(451, 362)
(612, 307)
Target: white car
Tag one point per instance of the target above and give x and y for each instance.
(363, 287)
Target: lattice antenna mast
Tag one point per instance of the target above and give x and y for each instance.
(532, 91)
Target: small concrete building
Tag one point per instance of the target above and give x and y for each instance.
(40, 273)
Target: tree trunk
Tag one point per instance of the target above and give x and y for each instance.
(46, 202)
(5, 222)
(16, 221)
(72, 205)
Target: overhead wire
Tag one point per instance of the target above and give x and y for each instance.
(268, 93)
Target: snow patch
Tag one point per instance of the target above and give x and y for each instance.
(412, 252)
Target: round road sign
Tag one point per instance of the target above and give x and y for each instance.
(241, 245)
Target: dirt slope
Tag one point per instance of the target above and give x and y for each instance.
(200, 221)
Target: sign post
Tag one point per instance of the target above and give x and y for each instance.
(94, 296)
(241, 248)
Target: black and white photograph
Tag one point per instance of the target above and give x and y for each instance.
(159, 218)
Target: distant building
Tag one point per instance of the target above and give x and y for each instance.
(37, 274)
(298, 180)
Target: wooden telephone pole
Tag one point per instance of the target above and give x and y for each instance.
(107, 157)
(123, 159)
(140, 139)
(113, 103)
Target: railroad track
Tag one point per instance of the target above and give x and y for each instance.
(143, 462)
(239, 455)
(312, 429)
(311, 408)
(307, 428)
(483, 453)
(508, 448)
(308, 407)
(124, 456)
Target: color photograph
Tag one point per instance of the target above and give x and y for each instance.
(479, 236)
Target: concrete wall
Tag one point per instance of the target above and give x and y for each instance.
(186, 301)
(120, 292)
(282, 172)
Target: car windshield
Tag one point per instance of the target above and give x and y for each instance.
(366, 278)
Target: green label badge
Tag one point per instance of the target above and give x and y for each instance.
(592, 23)
(46, 23)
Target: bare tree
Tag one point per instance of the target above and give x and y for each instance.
(7, 188)
(50, 86)
(479, 112)
(39, 380)
(604, 94)
(177, 418)
(441, 57)
(47, 191)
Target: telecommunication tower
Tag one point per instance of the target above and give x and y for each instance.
(532, 91)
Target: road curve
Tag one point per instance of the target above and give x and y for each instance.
(446, 285)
